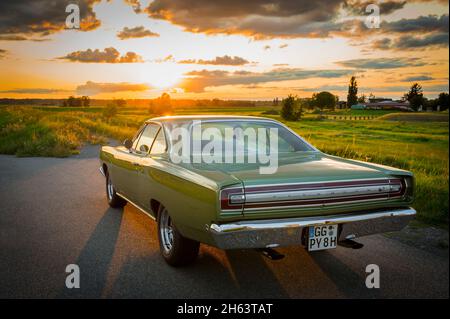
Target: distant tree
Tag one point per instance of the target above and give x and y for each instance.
(362, 99)
(73, 101)
(324, 100)
(443, 101)
(161, 105)
(291, 109)
(110, 110)
(431, 104)
(415, 96)
(275, 101)
(352, 96)
(85, 101)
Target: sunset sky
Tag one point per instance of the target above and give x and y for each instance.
(226, 48)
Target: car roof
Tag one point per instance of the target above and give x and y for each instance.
(207, 117)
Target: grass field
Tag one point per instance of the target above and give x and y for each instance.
(407, 141)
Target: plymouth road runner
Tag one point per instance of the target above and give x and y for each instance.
(311, 199)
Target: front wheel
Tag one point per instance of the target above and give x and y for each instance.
(176, 249)
(114, 200)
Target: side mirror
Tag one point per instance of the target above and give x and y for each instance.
(128, 144)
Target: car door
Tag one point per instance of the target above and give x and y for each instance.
(131, 164)
(123, 169)
(149, 168)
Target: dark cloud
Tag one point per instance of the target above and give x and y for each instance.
(261, 19)
(39, 18)
(108, 55)
(34, 91)
(415, 78)
(358, 7)
(258, 19)
(197, 81)
(409, 34)
(413, 42)
(422, 24)
(439, 40)
(220, 60)
(381, 63)
(382, 44)
(136, 32)
(93, 88)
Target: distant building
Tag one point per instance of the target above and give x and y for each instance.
(383, 104)
(359, 106)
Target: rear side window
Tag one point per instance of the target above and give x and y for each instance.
(146, 139)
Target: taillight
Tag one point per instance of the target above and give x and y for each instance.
(232, 198)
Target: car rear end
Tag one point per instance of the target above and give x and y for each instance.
(318, 215)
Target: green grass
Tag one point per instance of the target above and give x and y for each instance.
(418, 146)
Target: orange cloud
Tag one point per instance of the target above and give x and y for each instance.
(93, 88)
(137, 32)
(219, 60)
(108, 55)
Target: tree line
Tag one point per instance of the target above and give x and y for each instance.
(293, 107)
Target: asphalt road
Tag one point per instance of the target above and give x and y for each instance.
(53, 212)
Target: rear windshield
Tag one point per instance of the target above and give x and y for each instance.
(248, 132)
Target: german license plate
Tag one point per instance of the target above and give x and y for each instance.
(322, 237)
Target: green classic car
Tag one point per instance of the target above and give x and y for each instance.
(237, 195)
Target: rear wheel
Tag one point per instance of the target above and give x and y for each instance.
(176, 249)
(114, 200)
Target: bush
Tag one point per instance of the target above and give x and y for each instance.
(291, 109)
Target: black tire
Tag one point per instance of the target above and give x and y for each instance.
(179, 251)
(114, 200)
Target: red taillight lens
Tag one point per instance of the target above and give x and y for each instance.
(232, 198)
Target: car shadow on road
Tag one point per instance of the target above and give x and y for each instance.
(216, 274)
(95, 258)
(349, 282)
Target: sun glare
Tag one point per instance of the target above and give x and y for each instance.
(161, 77)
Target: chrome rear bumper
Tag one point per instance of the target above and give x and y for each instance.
(290, 231)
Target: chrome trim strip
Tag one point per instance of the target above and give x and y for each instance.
(307, 221)
(316, 194)
(101, 171)
(136, 205)
(322, 182)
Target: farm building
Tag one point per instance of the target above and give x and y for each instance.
(383, 105)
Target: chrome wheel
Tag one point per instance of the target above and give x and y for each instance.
(109, 189)
(166, 229)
